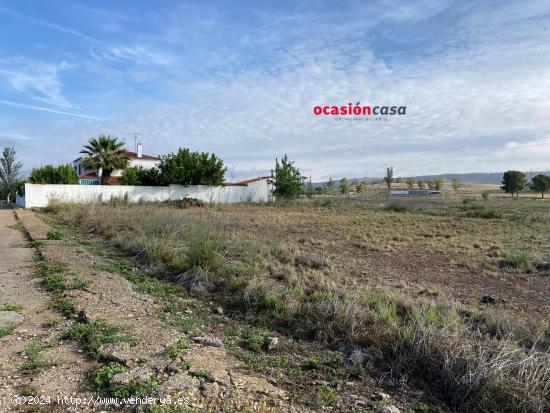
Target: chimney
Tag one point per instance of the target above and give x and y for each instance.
(139, 150)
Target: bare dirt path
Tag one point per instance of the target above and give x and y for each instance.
(54, 368)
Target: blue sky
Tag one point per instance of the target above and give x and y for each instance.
(240, 78)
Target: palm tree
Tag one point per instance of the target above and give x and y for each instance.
(106, 153)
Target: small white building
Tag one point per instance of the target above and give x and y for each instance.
(93, 177)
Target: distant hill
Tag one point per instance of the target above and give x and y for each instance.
(469, 178)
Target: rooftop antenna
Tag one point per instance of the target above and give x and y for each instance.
(135, 139)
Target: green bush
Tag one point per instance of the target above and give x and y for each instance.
(203, 252)
(484, 214)
(64, 305)
(54, 234)
(178, 348)
(54, 282)
(94, 334)
(12, 307)
(7, 329)
(517, 258)
(81, 283)
(255, 340)
(35, 361)
(49, 174)
(396, 207)
(101, 377)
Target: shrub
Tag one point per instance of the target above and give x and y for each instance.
(327, 395)
(255, 340)
(202, 252)
(54, 234)
(64, 305)
(438, 183)
(35, 361)
(49, 174)
(517, 258)
(178, 348)
(101, 377)
(485, 195)
(200, 373)
(94, 334)
(12, 307)
(396, 207)
(81, 283)
(313, 363)
(130, 177)
(6, 329)
(54, 282)
(136, 388)
(484, 214)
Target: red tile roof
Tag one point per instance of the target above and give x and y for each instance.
(89, 175)
(249, 181)
(146, 157)
(133, 155)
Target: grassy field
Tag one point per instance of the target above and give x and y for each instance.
(450, 294)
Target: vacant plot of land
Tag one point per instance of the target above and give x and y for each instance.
(446, 294)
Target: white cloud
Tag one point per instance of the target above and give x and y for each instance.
(45, 109)
(39, 79)
(138, 54)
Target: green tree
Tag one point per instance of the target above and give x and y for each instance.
(288, 181)
(438, 183)
(50, 174)
(359, 187)
(330, 184)
(191, 168)
(344, 186)
(456, 183)
(540, 183)
(9, 170)
(130, 177)
(421, 184)
(410, 183)
(513, 182)
(388, 179)
(105, 154)
(308, 190)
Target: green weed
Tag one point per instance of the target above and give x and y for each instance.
(12, 307)
(94, 334)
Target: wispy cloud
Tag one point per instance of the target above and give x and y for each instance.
(138, 54)
(39, 79)
(47, 24)
(45, 109)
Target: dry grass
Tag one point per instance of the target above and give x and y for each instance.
(327, 269)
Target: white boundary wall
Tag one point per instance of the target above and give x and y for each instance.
(38, 196)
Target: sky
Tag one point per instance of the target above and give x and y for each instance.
(241, 79)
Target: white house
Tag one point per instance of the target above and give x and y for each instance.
(93, 177)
